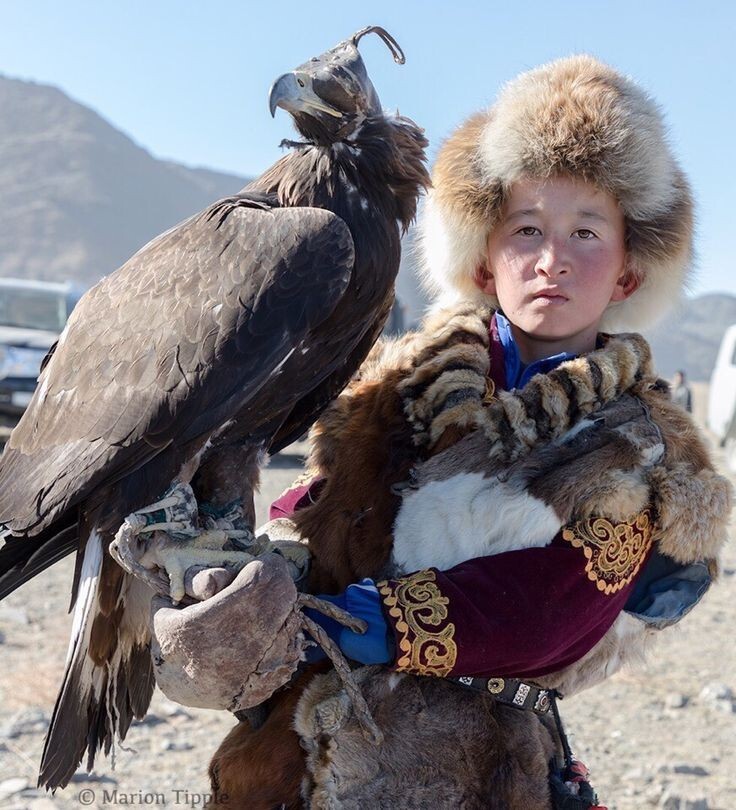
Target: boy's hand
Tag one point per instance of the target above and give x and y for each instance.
(361, 600)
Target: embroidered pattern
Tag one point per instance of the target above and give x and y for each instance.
(426, 645)
(615, 551)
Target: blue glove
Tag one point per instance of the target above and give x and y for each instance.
(376, 645)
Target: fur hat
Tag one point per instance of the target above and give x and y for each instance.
(579, 117)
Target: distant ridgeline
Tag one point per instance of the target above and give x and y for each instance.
(80, 197)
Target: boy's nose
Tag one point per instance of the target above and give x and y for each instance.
(552, 261)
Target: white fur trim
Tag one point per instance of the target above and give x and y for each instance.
(446, 522)
(448, 248)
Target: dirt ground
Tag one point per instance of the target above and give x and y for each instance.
(661, 736)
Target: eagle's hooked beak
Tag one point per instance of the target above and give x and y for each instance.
(294, 93)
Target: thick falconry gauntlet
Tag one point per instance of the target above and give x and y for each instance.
(233, 650)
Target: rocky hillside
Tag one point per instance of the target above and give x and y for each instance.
(78, 196)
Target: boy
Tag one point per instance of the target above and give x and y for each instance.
(527, 536)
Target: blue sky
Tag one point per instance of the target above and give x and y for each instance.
(189, 80)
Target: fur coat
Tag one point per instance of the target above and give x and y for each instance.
(426, 465)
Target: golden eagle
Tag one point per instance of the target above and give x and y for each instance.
(219, 341)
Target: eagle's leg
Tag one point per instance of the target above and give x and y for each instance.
(166, 535)
(182, 535)
(175, 513)
(221, 533)
(226, 482)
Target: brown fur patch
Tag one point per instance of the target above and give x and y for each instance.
(575, 488)
(262, 768)
(694, 509)
(694, 503)
(349, 528)
(458, 179)
(682, 437)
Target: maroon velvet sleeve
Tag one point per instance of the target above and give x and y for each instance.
(517, 614)
(296, 498)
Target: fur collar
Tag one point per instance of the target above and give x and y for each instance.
(449, 383)
(659, 459)
(422, 411)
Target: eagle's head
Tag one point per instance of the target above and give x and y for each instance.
(331, 95)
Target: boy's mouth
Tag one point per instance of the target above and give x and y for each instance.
(551, 295)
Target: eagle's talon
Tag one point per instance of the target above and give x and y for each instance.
(175, 513)
(121, 552)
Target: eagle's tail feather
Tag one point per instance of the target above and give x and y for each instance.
(22, 557)
(108, 679)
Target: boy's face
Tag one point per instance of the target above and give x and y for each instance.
(555, 261)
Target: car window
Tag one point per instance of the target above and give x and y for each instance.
(32, 309)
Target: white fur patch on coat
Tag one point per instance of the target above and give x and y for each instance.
(468, 515)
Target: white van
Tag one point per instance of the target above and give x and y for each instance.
(722, 398)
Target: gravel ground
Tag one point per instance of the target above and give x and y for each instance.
(661, 736)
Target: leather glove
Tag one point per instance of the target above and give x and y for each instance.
(233, 650)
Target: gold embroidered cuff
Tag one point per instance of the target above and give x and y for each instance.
(615, 551)
(425, 637)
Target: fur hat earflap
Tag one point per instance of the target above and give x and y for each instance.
(578, 117)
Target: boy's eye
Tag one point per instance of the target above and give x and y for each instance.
(584, 233)
(528, 230)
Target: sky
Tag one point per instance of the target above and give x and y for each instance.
(189, 80)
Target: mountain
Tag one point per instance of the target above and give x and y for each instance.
(688, 339)
(79, 196)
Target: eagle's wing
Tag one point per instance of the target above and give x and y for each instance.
(308, 409)
(170, 347)
(162, 352)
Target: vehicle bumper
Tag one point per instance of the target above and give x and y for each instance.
(15, 394)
